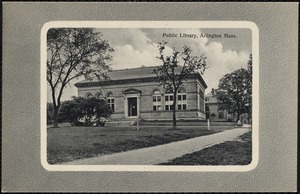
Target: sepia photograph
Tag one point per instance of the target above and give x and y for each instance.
(172, 96)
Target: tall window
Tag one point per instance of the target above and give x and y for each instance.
(169, 100)
(156, 101)
(181, 99)
(111, 101)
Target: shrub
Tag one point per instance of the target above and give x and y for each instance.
(213, 115)
(91, 111)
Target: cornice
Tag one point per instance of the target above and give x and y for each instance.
(115, 82)
(129, 81)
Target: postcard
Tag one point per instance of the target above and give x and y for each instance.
(149, 96)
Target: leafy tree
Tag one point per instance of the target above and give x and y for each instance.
(71, 110)
(235, 90)
(90, 109)
(171, 75)
(93, 109)
(249, 86)
(72, 53)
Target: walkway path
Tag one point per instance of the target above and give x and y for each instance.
(163, 153)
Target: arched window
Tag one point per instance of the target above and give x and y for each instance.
(111, 101)
(169, 100)
(89, 95)
(156, 100)
(181, 96)
(99, 95)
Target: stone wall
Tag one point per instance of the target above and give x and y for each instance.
(146, 99)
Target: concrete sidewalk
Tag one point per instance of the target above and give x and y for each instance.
(162, 153)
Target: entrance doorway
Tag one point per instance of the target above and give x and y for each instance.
(132, 107)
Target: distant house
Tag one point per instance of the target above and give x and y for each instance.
(135, 93)
(213, 105)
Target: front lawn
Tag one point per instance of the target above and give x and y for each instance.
(237, 152)
(71, 143)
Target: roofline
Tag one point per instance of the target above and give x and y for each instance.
(147, 67)
(202, 80)
(113, 70)
(133, 80)
(114, 82)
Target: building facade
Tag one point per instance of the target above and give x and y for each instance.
(213, 106)
(135, 93)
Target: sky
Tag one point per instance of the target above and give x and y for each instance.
(136, 47)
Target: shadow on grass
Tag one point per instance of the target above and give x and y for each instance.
(68, 144)
(237, 152)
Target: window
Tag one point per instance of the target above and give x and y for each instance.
(156, 101)
(89, 95)
(99, 96)
(181, 99)
(111, 101)
(169, 100)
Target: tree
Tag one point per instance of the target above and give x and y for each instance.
(70, 110)
(49, 113)
(73, 53)
(93, 109)
(171, 75)
(249, 84)
(90, 109)
(213, 116)
(235, 90)
(249, 87)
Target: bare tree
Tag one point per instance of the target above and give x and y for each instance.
(171, 74)
(72, 53)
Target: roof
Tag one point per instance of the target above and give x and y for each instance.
(130, 73)
(117, 76)
(210, 99)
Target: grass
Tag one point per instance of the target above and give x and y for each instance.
(237, 152)
(71, 143)
(186, 123)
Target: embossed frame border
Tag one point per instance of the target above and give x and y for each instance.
(153, 24)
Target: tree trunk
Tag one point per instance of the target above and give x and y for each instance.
(249, 112)
(55, 108)
(55, 119)
(174, 119)
(174, 110)
(238, 111)
(238, 115)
